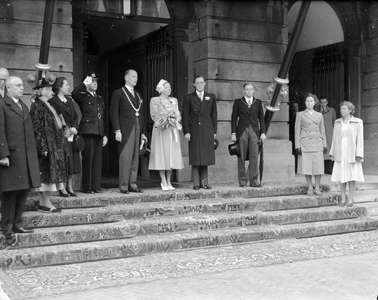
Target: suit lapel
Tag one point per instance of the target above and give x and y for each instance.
(14, 106)
(64, 106)
(204, 102)
(196, 99)
(244, 105)
(313, 117)
(131, 97)
(25, 110)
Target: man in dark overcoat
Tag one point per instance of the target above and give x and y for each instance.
(19, 170)
(126, 115)
(93, 130)
(200, 128)
(4, 74)
(248, 129)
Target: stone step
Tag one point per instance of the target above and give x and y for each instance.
(113, 197)
(12, 258)
(360, 186)
(161, 225)
(114, 213)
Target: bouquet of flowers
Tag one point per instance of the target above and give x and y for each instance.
(169, 120)
(166, 120)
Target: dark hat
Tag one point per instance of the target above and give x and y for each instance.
(144, 151)
(216, 144)
(41, 84)
(234, 149)
(93, 75)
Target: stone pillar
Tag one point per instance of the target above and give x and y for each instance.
(369, 91)
(233, 44)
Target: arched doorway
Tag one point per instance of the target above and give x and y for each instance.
(320, 64)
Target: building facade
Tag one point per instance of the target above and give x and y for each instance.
(227, 42)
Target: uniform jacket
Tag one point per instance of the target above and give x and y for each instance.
(200, 120)
(355, 140)
(309, 132)
(92, 109)
(329, 116)
(242, 117)
(49, 137)
(122, 114)
(17, 142)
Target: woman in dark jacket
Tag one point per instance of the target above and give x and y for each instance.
(64, 106)
(51, 146)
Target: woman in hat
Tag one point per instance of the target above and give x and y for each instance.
(310, 144)
(51, 146)
(64, 106)
(165, 143)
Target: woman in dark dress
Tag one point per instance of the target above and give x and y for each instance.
(64, 106)
(51, 146)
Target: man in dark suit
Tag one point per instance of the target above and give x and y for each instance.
(93, 130)
(248, 129)
(126, 115)
(4, 74)
(200, 128)
(19, 169)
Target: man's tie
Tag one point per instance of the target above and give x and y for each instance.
(249, 101)
(19, 104)
(201, 96)
(2, 92)
(132, 91)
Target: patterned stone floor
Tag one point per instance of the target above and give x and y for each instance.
(82, 280)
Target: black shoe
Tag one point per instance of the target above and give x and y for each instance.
(73, 194)
(206, 187)
(88, 192)
(48, 209)
(63, 194)
(22, 230)
(135, 190)
(97, 191)
(9, 234)
(195, 187)
(125, 192)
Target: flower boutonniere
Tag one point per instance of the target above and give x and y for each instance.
(207, 98)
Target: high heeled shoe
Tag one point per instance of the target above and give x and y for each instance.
(164, 188)
(170, 187)
(341, 203)
(350, 203)
(73, 194)
(63, 194)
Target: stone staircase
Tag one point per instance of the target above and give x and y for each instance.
(114, 225)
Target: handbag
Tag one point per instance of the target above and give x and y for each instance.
(79, 142)
(66, 130)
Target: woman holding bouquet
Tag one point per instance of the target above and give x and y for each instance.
(165, 143)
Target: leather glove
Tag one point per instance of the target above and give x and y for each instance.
(299, 151)
(325, 150)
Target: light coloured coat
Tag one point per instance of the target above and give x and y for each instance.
(355, 140)
(309, 132)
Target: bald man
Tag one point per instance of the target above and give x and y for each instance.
(19, 168)
(4, 74)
